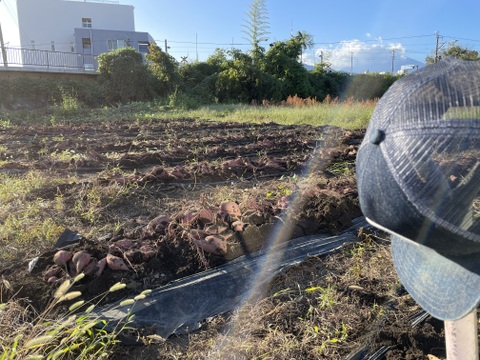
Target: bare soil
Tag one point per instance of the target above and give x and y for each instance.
(193, 195)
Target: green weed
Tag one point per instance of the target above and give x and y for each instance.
(5, 123)
(67, 107)
(65, 155)
(71, 336)
(326, 296)
(342, 168)
(338, 336)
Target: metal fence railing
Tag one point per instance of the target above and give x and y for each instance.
(47, 59)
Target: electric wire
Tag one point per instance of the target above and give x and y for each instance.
(360, 51)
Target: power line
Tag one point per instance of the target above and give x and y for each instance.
(231, 44)
(207, 43)
(459, 38)
(372, 40)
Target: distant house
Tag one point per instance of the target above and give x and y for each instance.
(83, 28)
(407, 69)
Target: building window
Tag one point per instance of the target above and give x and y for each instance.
(115, 44)
(87, 44)
(52, 45)
(143, 47)
(86, 22)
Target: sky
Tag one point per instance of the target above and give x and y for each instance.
(349, 33)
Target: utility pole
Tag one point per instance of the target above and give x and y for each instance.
(438, 46)
(196, 46)
(2, 45)
(393, 60)
(351, 62)
(166, 46)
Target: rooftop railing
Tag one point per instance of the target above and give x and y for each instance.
(47, 59)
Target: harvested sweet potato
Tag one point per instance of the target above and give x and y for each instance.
(116, 263)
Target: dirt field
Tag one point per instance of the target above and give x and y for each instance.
(177, 197)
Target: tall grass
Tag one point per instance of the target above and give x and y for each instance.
(348, 114)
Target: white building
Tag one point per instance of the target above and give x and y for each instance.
(75, 28)
(407, 69)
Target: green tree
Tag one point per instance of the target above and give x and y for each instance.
(218, 59)
(456, 51)
(325, 82)
(281, 61)
(164, 68)
(242, 81)
(123, 75)
(306, 42)
(256, 28)
(199, 78)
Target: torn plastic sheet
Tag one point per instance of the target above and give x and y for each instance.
(68, 238)
(183, 304)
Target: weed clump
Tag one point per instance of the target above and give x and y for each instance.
(72, 335)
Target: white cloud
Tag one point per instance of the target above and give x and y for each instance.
(365, 56)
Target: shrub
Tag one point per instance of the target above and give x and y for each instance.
(164, 69)
(124, 76)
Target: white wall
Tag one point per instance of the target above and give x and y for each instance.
(44, 21)
(8, 20)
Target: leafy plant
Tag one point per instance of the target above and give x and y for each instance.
(326, 299)
(74, 335)
(69, 104)
(164, 69)
(453, 50)
(256, 27)
(123, 76)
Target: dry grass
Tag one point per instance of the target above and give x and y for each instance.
(315, 310)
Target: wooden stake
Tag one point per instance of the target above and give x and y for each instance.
(461, 338)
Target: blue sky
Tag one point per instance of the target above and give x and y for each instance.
(365, 30)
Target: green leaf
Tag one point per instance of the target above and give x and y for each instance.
(314, 288)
